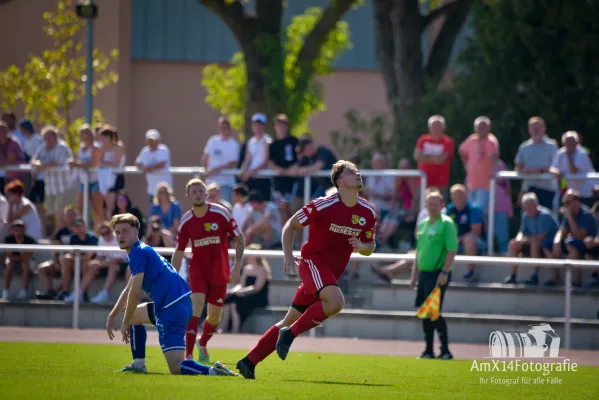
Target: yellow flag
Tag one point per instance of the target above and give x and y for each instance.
(430, 307)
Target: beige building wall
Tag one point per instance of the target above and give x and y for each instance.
(164, 95)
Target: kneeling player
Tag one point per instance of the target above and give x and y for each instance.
(339, 224)
(170, 311)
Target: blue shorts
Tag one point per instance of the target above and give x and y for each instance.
(93, 187)
(481, 246)
(172, 322)
(577, 244)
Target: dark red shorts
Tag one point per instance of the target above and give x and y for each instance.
(215, 294)
(315, 275)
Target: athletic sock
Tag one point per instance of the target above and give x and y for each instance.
(207, 333)
(191, 335)
(138, 336)
(313, 317)
(265, 346)
(191, 367)
(429, 334)
(441, 327)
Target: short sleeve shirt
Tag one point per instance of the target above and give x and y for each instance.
(434, 241)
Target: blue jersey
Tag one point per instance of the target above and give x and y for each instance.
(161, 281)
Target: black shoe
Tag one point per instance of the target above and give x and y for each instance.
(577, 284)
(284, 342)
(510, 280)
(49, 295)
(380, 274)
(533, 281)
(427, 355)
(246, 368)
(446, 355)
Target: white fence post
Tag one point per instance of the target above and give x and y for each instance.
(567, 304)
(423, 186)
(85, 210)
(77, 288)
(491, 215)
(307, 199)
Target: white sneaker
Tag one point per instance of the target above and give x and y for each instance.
(71, 298)
(23, 295)
(5, 294)
(100, 298)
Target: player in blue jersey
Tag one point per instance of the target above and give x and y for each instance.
(170, 310)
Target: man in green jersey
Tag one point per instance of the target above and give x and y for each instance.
(437, 244)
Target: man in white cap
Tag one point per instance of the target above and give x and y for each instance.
(154, 160)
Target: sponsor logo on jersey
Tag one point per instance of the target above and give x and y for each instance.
(368, 234)
(345, 230)
(210, 226)
(362, 221)
(206, 241)
(355, 219)
(309, 210)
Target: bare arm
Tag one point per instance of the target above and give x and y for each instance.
(177, 259)
(19, 212)
(299, 171)
(291, 226)
(578, 232)
(122, 301)
(133, 297)
(239, 250)
(421, 157)
(476, 229)
(257, 286)
(448, 261)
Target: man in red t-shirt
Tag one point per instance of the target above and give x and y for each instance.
(207, 227)
(339, 224)
(434, 152)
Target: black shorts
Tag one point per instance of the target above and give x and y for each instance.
(38, 192)
(262, 185)
(151, 315)
(122, 270)
(594, 252)
(427, 281)
(119, 184)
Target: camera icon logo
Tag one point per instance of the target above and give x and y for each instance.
(538, 341)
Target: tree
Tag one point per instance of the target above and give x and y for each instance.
(50, 85)
(269, 75)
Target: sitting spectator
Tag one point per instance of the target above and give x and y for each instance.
(158, 236)
(221, 152)
(112, 155)
(124, 205)
(51, 268)
(11, 155)
(4, 208)
(58, 184)
(282, 156)
(18, 259)
(577, 224)
(256, 157)
(241, 209)
(166, 207)
(503, 210)
(535, 238)
(10, 119)
(592, 246)
(250, 293)
(312, 159)
(32, 141)
(23, 209)
(572, 159)
(81, 237)
(154, 160)
(469, 220)
(107, 264)
(214, 196)
(263, 226)
(535, 157)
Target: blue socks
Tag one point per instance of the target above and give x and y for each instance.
(191, 367)
(138, 341)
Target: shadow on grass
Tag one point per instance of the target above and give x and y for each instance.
(339, 383)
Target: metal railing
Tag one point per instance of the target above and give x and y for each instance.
(277, 254)
(514, 175)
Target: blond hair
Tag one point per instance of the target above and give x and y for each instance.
(458, 187)
(262, 261)
(124, 219)
(193, 182)
(338, 168)
(169, 190)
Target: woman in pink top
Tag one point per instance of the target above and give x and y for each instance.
(479, 154)
(503, 210)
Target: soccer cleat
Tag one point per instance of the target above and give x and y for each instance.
(445, 356)
(204, 356)
(246, 368)
(426, 355)
(134, 369)
(284, 342)
(221, 369)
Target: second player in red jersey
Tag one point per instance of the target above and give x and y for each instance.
(339, 225)
(206, 228)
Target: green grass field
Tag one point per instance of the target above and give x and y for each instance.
(64, 371)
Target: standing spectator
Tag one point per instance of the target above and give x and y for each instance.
(81, 237)
(480, 152)
(166, 207)
(23, 209)
(379, 189)
(10, 118)
(535, 156)
(577, 224)
(112, 155)
(124, 205)
(241, 209)
(312, 159)
(572, 159)
(16, 259)
(535, 238)
(469, 219)
(158, 236)
(58, 184)
(434, 152)
(11, 155)
(33, 142)
(214, 196)
(256, 157)
(221, 152)
(154, 160)
(263, 226)
(282, 156)
(503, 210)
(87, 161)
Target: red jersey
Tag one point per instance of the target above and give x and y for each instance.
(209, 241)
(437, 175)
(331, 225)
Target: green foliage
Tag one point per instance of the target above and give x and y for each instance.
(48, 86)
(226, 86)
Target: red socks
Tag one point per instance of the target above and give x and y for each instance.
(313, 316)
(207, 333)
(191, 334)
(265, 345)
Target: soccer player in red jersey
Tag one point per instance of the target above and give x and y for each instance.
(339, 224)
(207, 226)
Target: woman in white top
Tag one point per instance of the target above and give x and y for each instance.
(112, 155)
(256, 157)
(87, 161)
(20, 207)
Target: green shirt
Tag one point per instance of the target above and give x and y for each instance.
(434, 241)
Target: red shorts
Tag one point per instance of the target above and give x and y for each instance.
(315, 276)
(215, 294)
